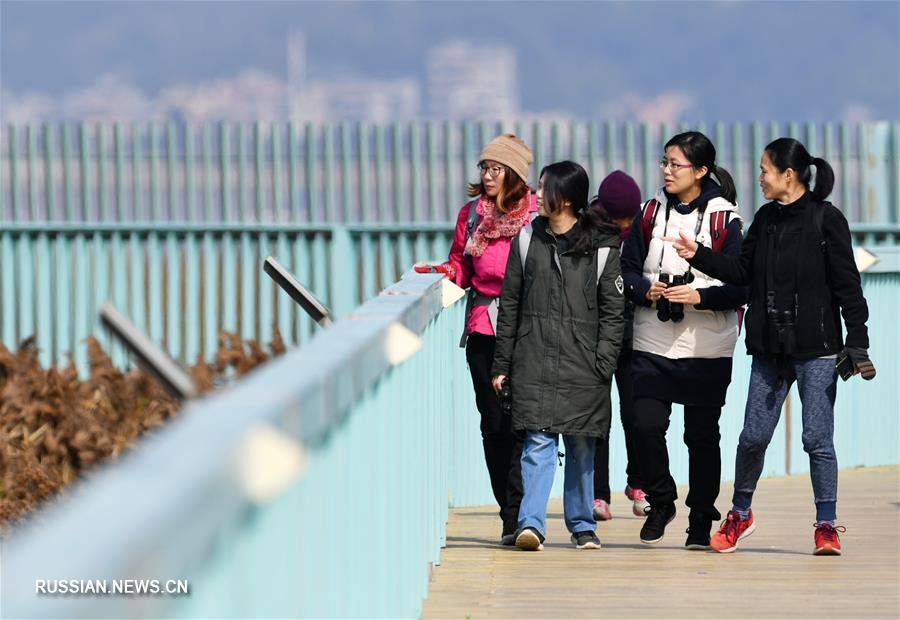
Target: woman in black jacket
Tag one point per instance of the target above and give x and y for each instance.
(559, 332)
(799, 264)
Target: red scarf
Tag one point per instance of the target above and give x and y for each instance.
(495, 224)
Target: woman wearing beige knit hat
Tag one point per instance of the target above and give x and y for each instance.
(502, 203)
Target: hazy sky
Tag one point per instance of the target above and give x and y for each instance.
(736, 60)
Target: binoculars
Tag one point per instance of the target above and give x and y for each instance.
(781, 334)
(667, 310)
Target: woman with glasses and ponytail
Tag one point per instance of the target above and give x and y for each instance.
(685, 329)
(500, 204)
(798, 261)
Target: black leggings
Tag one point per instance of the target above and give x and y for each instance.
(502, 445)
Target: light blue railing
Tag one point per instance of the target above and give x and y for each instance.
(264, 172)
(385, 442)
(387, 445)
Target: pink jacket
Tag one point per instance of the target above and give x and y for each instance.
(483, 273)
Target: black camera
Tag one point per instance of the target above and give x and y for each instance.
(780, 325)
(667, 310)
(505, 397)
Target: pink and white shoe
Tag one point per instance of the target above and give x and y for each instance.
(639, 504)
(601, 510)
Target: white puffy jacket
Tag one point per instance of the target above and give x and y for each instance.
(702, 333)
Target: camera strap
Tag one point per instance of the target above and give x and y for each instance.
(701, 211)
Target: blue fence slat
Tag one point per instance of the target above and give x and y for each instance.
(119, 208)
(44, 332)
(302, 270)
(284, 306)
(229, 284)
(175, 309)
(192, 291)
(155, 194)
(212, 307)
(265, 291)
(155, 291)
(137, 299)
(85, 310)
(100, 265)
(120, 292)
(25, 283)
(9, 326)
(172, 200)
(248, 297)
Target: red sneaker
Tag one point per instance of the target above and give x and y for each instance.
(732, 530)
(827, 540)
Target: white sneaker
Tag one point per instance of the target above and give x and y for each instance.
(639, 504)
(601, 510)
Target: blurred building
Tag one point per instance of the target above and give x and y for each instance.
(374, 100)
(466, 81)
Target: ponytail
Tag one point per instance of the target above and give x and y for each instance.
(789, 153)
(824, 179)
(729, 193)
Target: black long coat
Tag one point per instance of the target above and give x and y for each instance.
(559, 332)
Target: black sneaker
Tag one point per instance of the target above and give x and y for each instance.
(585, 540)
(530, 539)
(508, 540)
(655, 526)
(698, 533)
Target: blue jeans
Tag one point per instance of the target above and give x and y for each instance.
(817, 384)
(538, 467)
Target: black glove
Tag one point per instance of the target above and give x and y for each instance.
(861, 362)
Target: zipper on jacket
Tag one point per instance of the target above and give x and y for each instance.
(562, 294)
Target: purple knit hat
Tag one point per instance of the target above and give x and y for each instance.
(619, 195)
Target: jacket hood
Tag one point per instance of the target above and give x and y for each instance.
(586, 236)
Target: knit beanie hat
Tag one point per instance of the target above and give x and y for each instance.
(619, 195)
(510, 151)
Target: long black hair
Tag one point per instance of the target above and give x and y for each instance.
(700, 152)
(567, 181)
(789, 153)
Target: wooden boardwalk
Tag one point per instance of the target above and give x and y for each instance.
(773, 574)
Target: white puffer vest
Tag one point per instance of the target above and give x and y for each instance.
(703, 333)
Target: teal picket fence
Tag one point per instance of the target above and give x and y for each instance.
(331, 470)
(361, 173)
(183, 283)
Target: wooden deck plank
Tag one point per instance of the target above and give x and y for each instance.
(772, 575)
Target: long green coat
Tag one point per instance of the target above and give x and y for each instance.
(559, 332)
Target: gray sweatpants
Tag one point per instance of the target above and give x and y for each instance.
(817, 383)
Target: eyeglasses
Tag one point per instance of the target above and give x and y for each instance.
(493, 171)
(665, 163)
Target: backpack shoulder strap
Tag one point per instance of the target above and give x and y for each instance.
(602, 255)
(648, 219)
(718, 229)
(818, 217)
(472, 219)
(525, 238)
